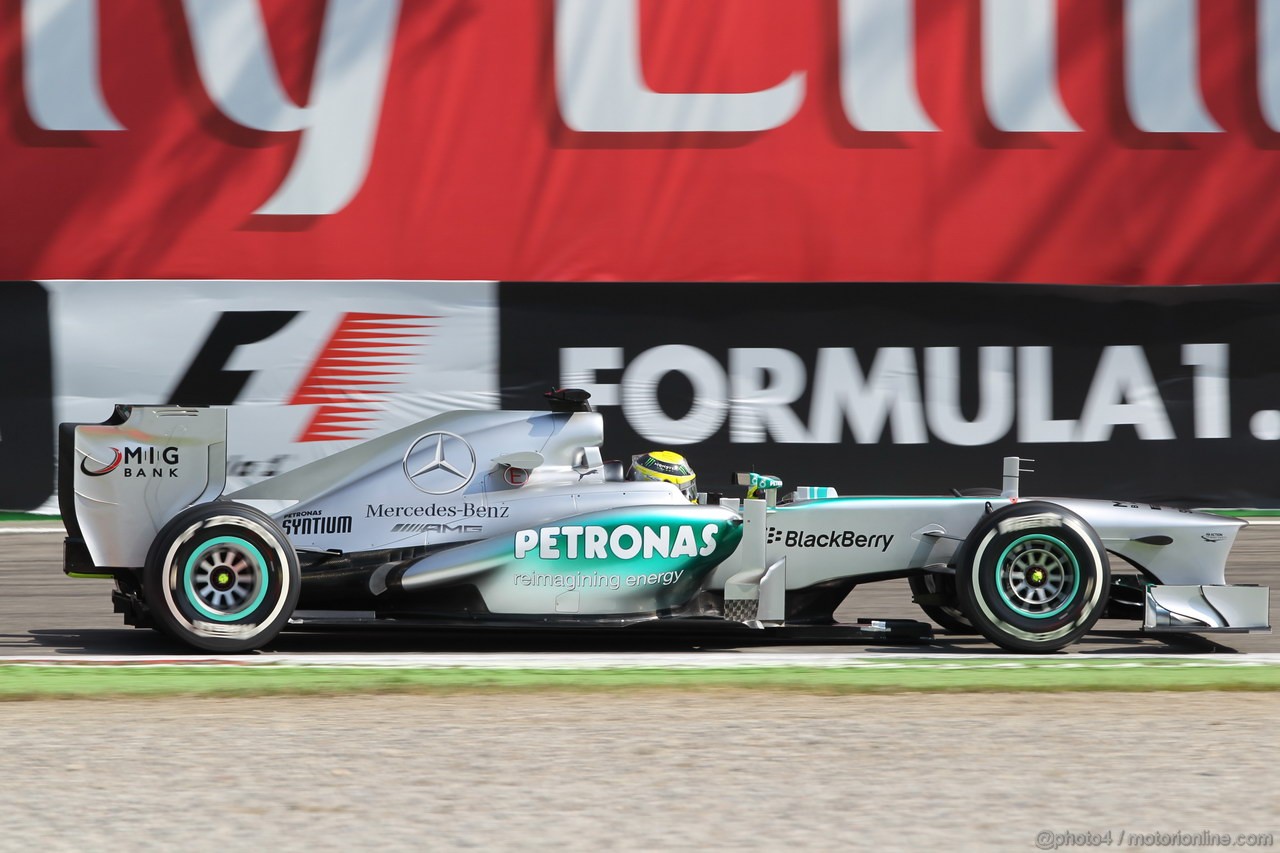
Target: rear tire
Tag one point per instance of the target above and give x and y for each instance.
(221, 577)
(1033, 577)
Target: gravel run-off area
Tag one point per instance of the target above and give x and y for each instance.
(638, 770)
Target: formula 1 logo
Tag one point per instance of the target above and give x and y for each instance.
(107, 469)
(450, 466)
(357, 369)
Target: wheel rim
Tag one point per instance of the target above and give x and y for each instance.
(225, 578)
(1037, 576)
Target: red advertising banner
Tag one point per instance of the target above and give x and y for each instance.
(1091, 141)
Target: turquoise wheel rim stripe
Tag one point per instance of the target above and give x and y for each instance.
(189, 586)
(1074, 579)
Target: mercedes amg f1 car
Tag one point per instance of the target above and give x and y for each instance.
(515, 518)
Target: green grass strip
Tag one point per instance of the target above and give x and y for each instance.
(1245, 513)
(27, 516)
(84, 682)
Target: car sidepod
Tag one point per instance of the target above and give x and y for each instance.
(637, 560)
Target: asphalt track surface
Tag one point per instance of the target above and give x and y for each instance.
(653, 770)
(43, 613)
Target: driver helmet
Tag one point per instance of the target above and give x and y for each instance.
(666, 466)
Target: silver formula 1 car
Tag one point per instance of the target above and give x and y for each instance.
(515, 518)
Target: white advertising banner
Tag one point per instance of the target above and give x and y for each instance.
(305, 367)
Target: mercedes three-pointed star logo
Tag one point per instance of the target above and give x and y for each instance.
(450, 465)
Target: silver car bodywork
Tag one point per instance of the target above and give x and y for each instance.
(516, 517)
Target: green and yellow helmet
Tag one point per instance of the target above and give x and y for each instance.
(666, 466)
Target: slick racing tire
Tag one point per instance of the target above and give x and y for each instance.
(946, 612)
(221, 577)
(1033, 577)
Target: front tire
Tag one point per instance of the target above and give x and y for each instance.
(221, 577)
(1033, 577)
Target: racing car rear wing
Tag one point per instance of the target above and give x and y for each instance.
(120, 481)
